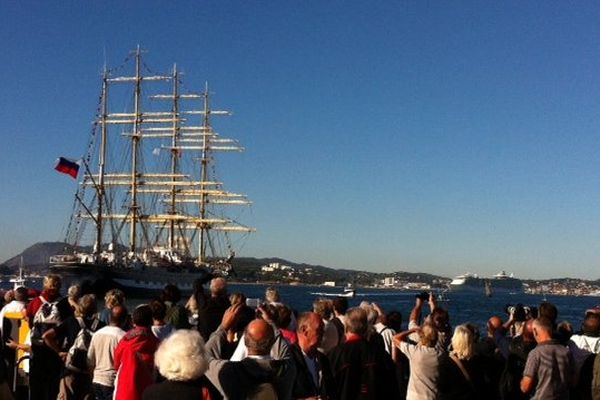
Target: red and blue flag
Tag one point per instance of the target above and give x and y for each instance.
(67, 166)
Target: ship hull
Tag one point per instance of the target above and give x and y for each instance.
(145, 281)
(478, 286)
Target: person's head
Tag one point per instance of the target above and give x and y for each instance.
(21, 293)
(356, 322)
(87, 306)
(462, 342)
(74, 292)
(114, 297)
(542, 329)
(171, 293)
(440, 319)
(428, 335)
(118, 315)
(284, 316)
(310, 331)
(181, 356)
(323, 308)
(394, 320)
(237, 298)
(259, 337)
(340, 305)
(549, 311)
(493, 324)
(371, 312)
(591, 325)
(52, 283)
(142, 316)
(272, 295)
(565, 329)
(9, 296)
(159, 310)
(218, 287)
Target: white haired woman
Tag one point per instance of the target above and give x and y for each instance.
(461, 374)
(181, 359)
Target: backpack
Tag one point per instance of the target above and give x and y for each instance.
(46, 317)
(77, 355)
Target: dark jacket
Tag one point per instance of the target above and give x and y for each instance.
(361, 371)
(304, 385)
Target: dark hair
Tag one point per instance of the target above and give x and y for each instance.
(548, 310)
(284, 314)
(340, 305)
(591, 325)
(440, 319)
(394, 320)
(142, 316)
(21, 293)
(159, 310)
(171, 293)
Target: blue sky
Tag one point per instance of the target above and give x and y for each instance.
(441, 137)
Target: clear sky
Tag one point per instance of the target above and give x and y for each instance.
(431, 136)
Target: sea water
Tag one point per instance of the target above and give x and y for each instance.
(462, 306)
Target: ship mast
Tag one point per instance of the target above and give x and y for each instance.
(204, 227)
(101, 167)
(174, 156)
(135, 141)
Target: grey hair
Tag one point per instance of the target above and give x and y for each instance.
(181, 356)
(356, 321)
(74, 291)
(272, 294)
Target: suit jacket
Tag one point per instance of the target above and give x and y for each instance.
(304, 385)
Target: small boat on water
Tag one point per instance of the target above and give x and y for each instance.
(349, 291)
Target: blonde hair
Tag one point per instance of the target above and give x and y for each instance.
(52, 281)
(462, 342)
(114, 297)
(181, 356)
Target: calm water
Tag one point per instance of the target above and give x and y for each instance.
(463, 307)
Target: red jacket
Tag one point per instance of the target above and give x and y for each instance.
(134, 362)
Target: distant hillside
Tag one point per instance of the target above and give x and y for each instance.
(36, 257)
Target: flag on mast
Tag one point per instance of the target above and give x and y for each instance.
(67, 166)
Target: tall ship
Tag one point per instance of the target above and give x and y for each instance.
(149, 209)
(499, 283)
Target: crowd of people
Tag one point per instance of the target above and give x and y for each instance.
(217, 345)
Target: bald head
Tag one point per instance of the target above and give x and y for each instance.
(258, 337)
(494, 324)
(218, 287)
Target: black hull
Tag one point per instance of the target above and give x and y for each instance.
(142, 282)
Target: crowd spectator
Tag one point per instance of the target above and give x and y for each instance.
(45, 312)
(101, 354)
(134, 357)
(360, 368)
(181, 360)
(76, 380)
(548, 368)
